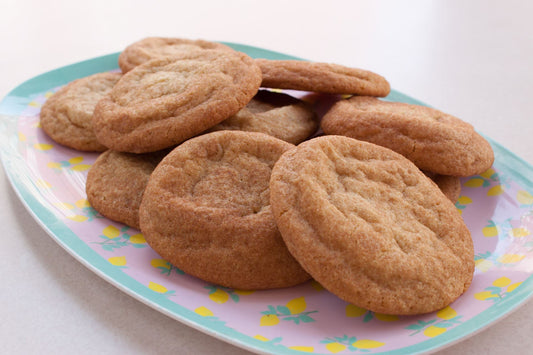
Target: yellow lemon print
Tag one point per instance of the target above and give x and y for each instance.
(82, 203)
(367, 344)
(335, 347)
(43, 184)
(219, 296)
(512, 287)
(81, 167)
(520, 232)
(204, 311)
(75, 160)
(483, 265)
(354, 311)
(111, 232)
(432, 331)
(483, 295)
(296, 305)
(78, 218)
(159, 263)
(474, 182)
(22, 137)
(117, 260)
(260, 337)
(490, 230)
(65, 206)
(464, 200)
(137, 239)
(524, 197)
(488, 173)
(53, 165)
(510, 258)
(43, 146)
(501, 282)
(496, 190)
(157, 287)
(447, 313)
(34, 104)
(269, 320)
(305, 349)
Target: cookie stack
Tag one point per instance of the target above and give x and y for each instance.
(240, 184)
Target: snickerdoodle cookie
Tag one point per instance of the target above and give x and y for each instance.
(326, 78)
(206, 210)
(167, 100)
(276, 114)
(153, 47)
(369, 226)
(116, 182)
(66, 116)
(433, 140)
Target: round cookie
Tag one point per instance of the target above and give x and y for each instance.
(116, 182)
(66, 116)
(276, 114)
(370, 227)
(167, 100)
(321, 77)
(206, 210)
(152, 47)
(433, 140)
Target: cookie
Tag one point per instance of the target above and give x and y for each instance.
(370, 227)
(206, 210)
(167, 100)
(116, 182)
(276, 114)
(321, 77)
(152, 47)
(66, 116)
(449, 185)
(433, 140)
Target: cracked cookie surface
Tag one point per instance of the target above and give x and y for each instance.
(167, 100)
(433, 140)
(206, 210)
(149, 48)
(67, 115)
(370, 226)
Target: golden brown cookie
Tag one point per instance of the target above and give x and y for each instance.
(206, 210)
(370, 227)
(449, 185)
(276, 114)
(116, 182)
(321, 77)
(167, 100)
(433, 140)
(66, 116)
(152, 47)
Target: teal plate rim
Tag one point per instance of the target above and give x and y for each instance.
(16, 100)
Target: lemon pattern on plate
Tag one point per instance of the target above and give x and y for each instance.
(353, 311)
(292, 311)
(72, 164)
(499, 290)
(219, 294)
(445, 319)
(462, 203)
(488, 178)
(165, 267)
(119, 261)
(114, 238)
(338, 344)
